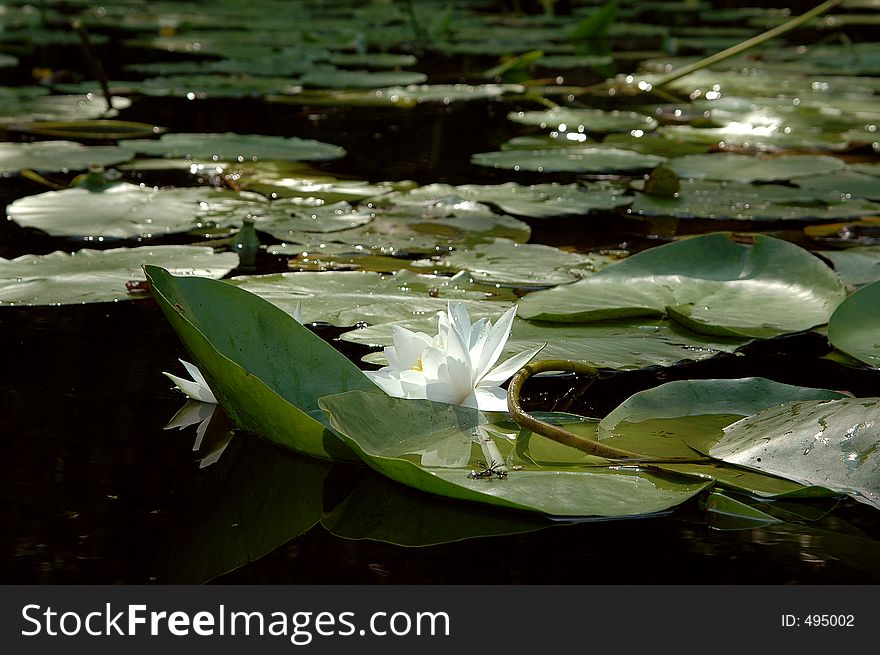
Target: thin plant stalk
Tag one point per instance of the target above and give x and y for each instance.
(739, 48)
(94, 61)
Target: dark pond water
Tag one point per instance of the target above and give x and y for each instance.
(95, 489)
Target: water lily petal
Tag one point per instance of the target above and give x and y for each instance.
(387, 381)
(495, 341)
(487, 399)
(297, 313)
(196, 390)
(413, 384)
(451, 381)
(406, 353)
(507, 368)
(461, 321)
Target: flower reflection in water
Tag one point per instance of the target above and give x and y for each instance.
(214, 431)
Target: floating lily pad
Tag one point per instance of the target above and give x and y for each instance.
(748, 202)
(336, 78)
(129, 211)
(236, 147)
(857, 266)
(565, 62)
(88, 276)
(621, 345)
(854, 327)
(842, 185)
(746, 168)
(396, 96)
(596, 160)
(758, 138)
(828, 443)
(276, 179)
(708, 283)
(345, 298)
(68, 107)
(212, 85)
(501, 262)
(535, 201)
(435, 227)
(58, 156)
(568, 119)
(395, 436)
(653, 422)
(94, 129)
(655, 143)
(372, 59)
(284, 219)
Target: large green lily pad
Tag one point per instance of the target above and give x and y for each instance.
(501, 262)
(212, 86)
(404, 97)
(708, 283)
(533, 201)
(830, 443)
(236, 147)
(710, 199)
(286, 219)
(622, 345)
(337, 78)
(128, 211)
(89, 276)
(58, 156)
(595, 159)
(678, 418)
(400, 438)
(567, 119)
(747, 168)
(266, 370)
(33, 105)
(854, 327)
(857, 266)
(842, 185)
(345, 298)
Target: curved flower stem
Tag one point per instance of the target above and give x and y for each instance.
(566, 437)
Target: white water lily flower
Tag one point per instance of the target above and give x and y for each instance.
(457, 366)
(197, 388)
